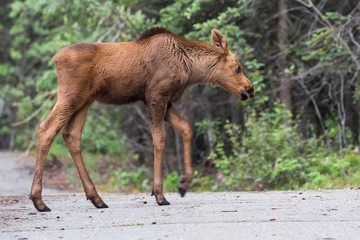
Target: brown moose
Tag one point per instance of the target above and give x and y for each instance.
(155, 69)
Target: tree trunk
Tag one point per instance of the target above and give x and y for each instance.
(285, 87)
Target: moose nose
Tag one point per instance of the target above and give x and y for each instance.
(250, 91)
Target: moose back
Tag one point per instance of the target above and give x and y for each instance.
(155, 69)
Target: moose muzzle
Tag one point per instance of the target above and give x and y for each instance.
(248, 94)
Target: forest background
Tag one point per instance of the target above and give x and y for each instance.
(300, 131)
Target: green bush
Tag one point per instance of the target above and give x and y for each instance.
(269, 152)
(136, 179)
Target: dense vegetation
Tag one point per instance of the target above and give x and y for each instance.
(301, 130)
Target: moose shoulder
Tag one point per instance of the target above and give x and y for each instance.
(155, 69)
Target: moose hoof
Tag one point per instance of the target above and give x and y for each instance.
(164, 202)
(104, 205)
(182, 191)
(45, 209)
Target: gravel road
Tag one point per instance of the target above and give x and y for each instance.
(15, 176)
(321, 215)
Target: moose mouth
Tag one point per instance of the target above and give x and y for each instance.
(244, 96)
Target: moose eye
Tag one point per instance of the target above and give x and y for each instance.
(238, 69)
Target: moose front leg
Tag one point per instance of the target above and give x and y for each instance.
(157, 110)
(184, 128)
(158, 133)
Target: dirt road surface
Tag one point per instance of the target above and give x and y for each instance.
(320, 215)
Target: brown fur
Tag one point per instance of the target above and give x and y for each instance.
(154, 69)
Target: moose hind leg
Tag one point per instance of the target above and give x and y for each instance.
(184, 128)
(48, 130)
(72, 136)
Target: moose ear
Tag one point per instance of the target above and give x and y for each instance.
(219, 41)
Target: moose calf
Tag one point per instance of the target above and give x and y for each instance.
(156, 69)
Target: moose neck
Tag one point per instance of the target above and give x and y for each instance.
(203, 58)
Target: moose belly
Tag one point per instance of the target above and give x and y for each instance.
(120, 92)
